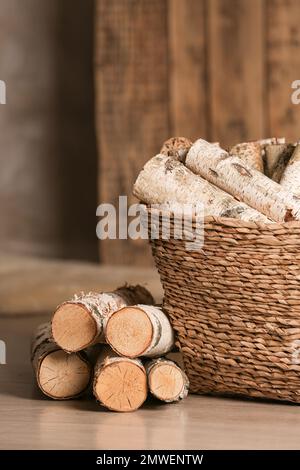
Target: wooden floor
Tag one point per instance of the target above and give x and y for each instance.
(29, 421)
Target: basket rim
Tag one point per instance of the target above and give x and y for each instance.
(225, 221)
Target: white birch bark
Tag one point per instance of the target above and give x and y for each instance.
(140, 330)
(250, 153)
(271, 140)
(242, 181)
(164, 180)
(163, 334)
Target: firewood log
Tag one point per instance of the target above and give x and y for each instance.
(243, 182)
(59, 375)
(166, 380)
(250, 153)
(270, 141)
(140, 330)
(291, 176)
(120, 384)
(176, 147)
(165, 180)
(79, 323)
(276, 160)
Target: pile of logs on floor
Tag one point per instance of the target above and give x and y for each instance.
(117, 345)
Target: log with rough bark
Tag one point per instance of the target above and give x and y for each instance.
(59, 375)
(176, 147)
(271, 140)
(243, 182)
(140, 330)
(276, 159)
(79, 323)
(120, 384)
(166, 380)
(165, 180)
(291, 176)
(250, 153)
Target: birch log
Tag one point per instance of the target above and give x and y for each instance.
(291, 177)
(79, 323)
(242, 181)
(59, 375)
(164, 180)
(250, 153)
(141, 330)
(276, 159)
(270, 141)
(176, 147)
(166, 380)
(120, 384)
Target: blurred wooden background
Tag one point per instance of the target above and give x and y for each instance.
(48, 156)
(220, 69)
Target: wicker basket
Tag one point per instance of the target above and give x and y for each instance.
(235, 306)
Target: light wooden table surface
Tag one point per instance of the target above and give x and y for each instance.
(29, 421)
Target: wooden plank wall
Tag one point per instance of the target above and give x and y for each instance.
(47, 139)
(220, 69)
(132, 102)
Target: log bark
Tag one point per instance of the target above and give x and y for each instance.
(166, 380)
(79, 323)
(250, 153)
(276, 160)
(120, 384)
(291, 176)
(242, 181)
(141, 330)
(270, 141)
(165, 180)
(59, 375)
(176, 147)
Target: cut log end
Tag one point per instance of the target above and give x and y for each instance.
(121, 386)
(176, 147)
(73, 327)
(129, 332)
(167, 381)
(62, 375)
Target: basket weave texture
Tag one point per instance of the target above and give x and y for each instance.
(235, 306)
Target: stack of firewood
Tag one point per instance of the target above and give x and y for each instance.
(118, 342)
(255, 181)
